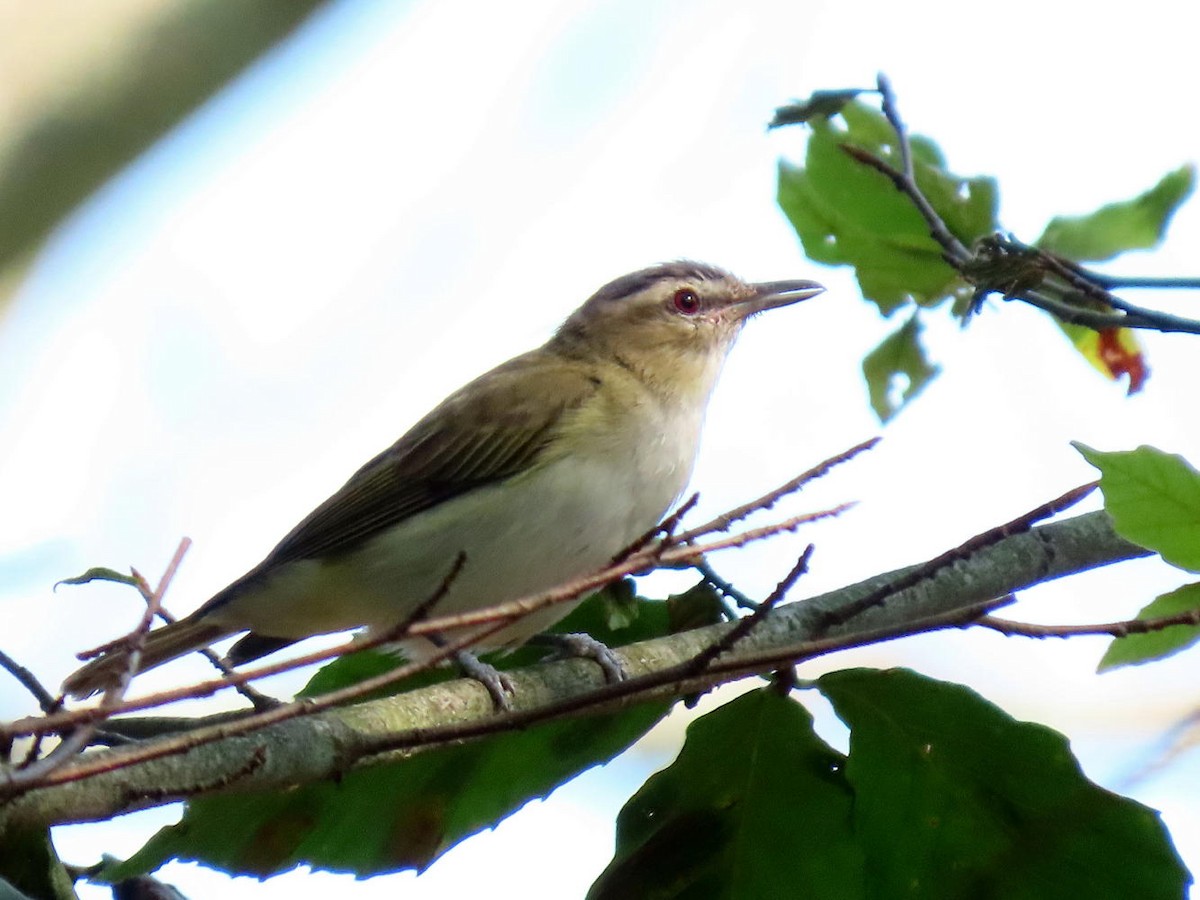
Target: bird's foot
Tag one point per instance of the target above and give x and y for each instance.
(584, 646)
(497, 684)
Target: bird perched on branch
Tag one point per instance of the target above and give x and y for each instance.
(535, 473)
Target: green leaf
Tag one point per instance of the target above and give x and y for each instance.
(30, 867)
(99, 573)
(1139, 648)
(700, 605)
(394, 816)
(897, 365)
(956, 799)
(404, 814)
(819, 103)
(848, 214)
(756, 806)
(1129, 225)
(1154, 500)
(8, 892)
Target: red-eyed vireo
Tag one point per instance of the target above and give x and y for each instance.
(539, 471)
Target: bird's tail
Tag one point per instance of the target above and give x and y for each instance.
(162, 645)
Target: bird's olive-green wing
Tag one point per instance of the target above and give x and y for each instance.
(492, 429)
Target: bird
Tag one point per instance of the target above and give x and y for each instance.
(536, 472)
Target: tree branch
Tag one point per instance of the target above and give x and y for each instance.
(1113, 629)
(1019, 271)
(324, 745)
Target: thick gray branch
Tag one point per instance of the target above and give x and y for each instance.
(313, 748)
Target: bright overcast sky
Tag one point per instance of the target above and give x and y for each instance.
(406, 193)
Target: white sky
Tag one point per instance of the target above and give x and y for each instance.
(407, 193)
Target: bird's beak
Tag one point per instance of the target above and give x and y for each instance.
(773, 294)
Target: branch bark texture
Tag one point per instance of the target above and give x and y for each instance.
(324, 745)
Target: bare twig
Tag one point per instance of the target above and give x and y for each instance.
(973, 265)
(668, 552)
(1077, 298)
(962, 551)
(678, 678)
(1142, 281)
(906, 182)
(666, 528)
(493, 619)
(1115, 629)
(957, 595)
(257, 699)
(76, 740)
(423, 609)
(726, 520)
(136, 639)
(725, 588)
(45, 699)
(744, 626)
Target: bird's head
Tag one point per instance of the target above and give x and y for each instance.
(671, 318)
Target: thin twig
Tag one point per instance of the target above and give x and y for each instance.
(45, 699)
(962, 551)
(963, 260)
(492, 620)
(723, 587)
(256, 721)
(642, 560)
(1052, 560)
(907, 182)
(768, 500)
(74, 742)
(744, 626)
(1084, 281)
(256, 698)
(1142, 281)
(719, 669)
(666, 528)
(136, 640)
(423, 608)
(1115, 629)
(891, 112)
(493, 724)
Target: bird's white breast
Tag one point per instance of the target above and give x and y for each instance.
(565, 517)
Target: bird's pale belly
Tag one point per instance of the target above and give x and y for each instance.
(554, 523)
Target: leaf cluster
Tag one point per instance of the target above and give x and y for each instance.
(932, 242)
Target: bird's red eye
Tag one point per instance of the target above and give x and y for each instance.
(686, 301)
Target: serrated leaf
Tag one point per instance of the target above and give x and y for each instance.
(897, 370)
(1154, 500)
(956, 799)
(1139, 648)
(1128, 225)
(1116, 352)
(403, 815)
(735, 816)
(99, 573)
(848, 214)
